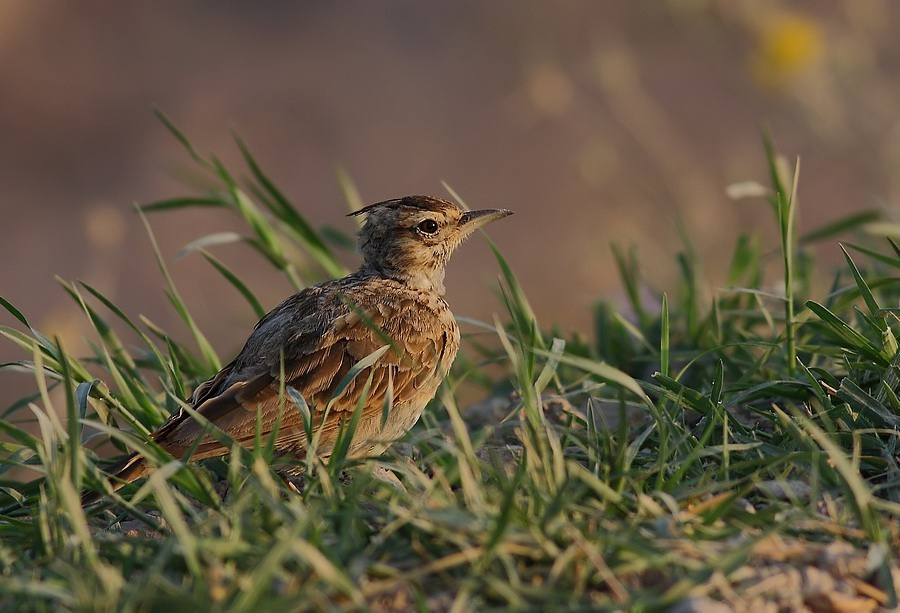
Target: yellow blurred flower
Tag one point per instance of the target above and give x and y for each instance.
(788, 44)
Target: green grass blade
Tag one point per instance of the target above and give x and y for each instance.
(285, 211)
(850, 337)
(664, 337)
(840, 226)
(864, 290)
(235, 281)
(205, 348)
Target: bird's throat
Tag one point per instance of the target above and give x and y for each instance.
(423, 278)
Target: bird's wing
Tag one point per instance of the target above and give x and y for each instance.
(326, 342)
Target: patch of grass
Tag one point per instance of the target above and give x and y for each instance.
(694, 442)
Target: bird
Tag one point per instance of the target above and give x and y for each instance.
(391, 312)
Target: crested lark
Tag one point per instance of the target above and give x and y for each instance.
(316, 336)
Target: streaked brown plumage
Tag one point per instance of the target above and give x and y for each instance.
(316, 336)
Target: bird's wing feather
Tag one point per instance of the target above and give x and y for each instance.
(316, 359)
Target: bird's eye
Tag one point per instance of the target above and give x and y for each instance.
(429, 227)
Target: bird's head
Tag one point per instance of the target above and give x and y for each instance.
(410, 239)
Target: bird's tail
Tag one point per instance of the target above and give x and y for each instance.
(126, 470)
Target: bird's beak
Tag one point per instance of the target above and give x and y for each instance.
(472, 220)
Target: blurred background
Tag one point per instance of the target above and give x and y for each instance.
(615, 122)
